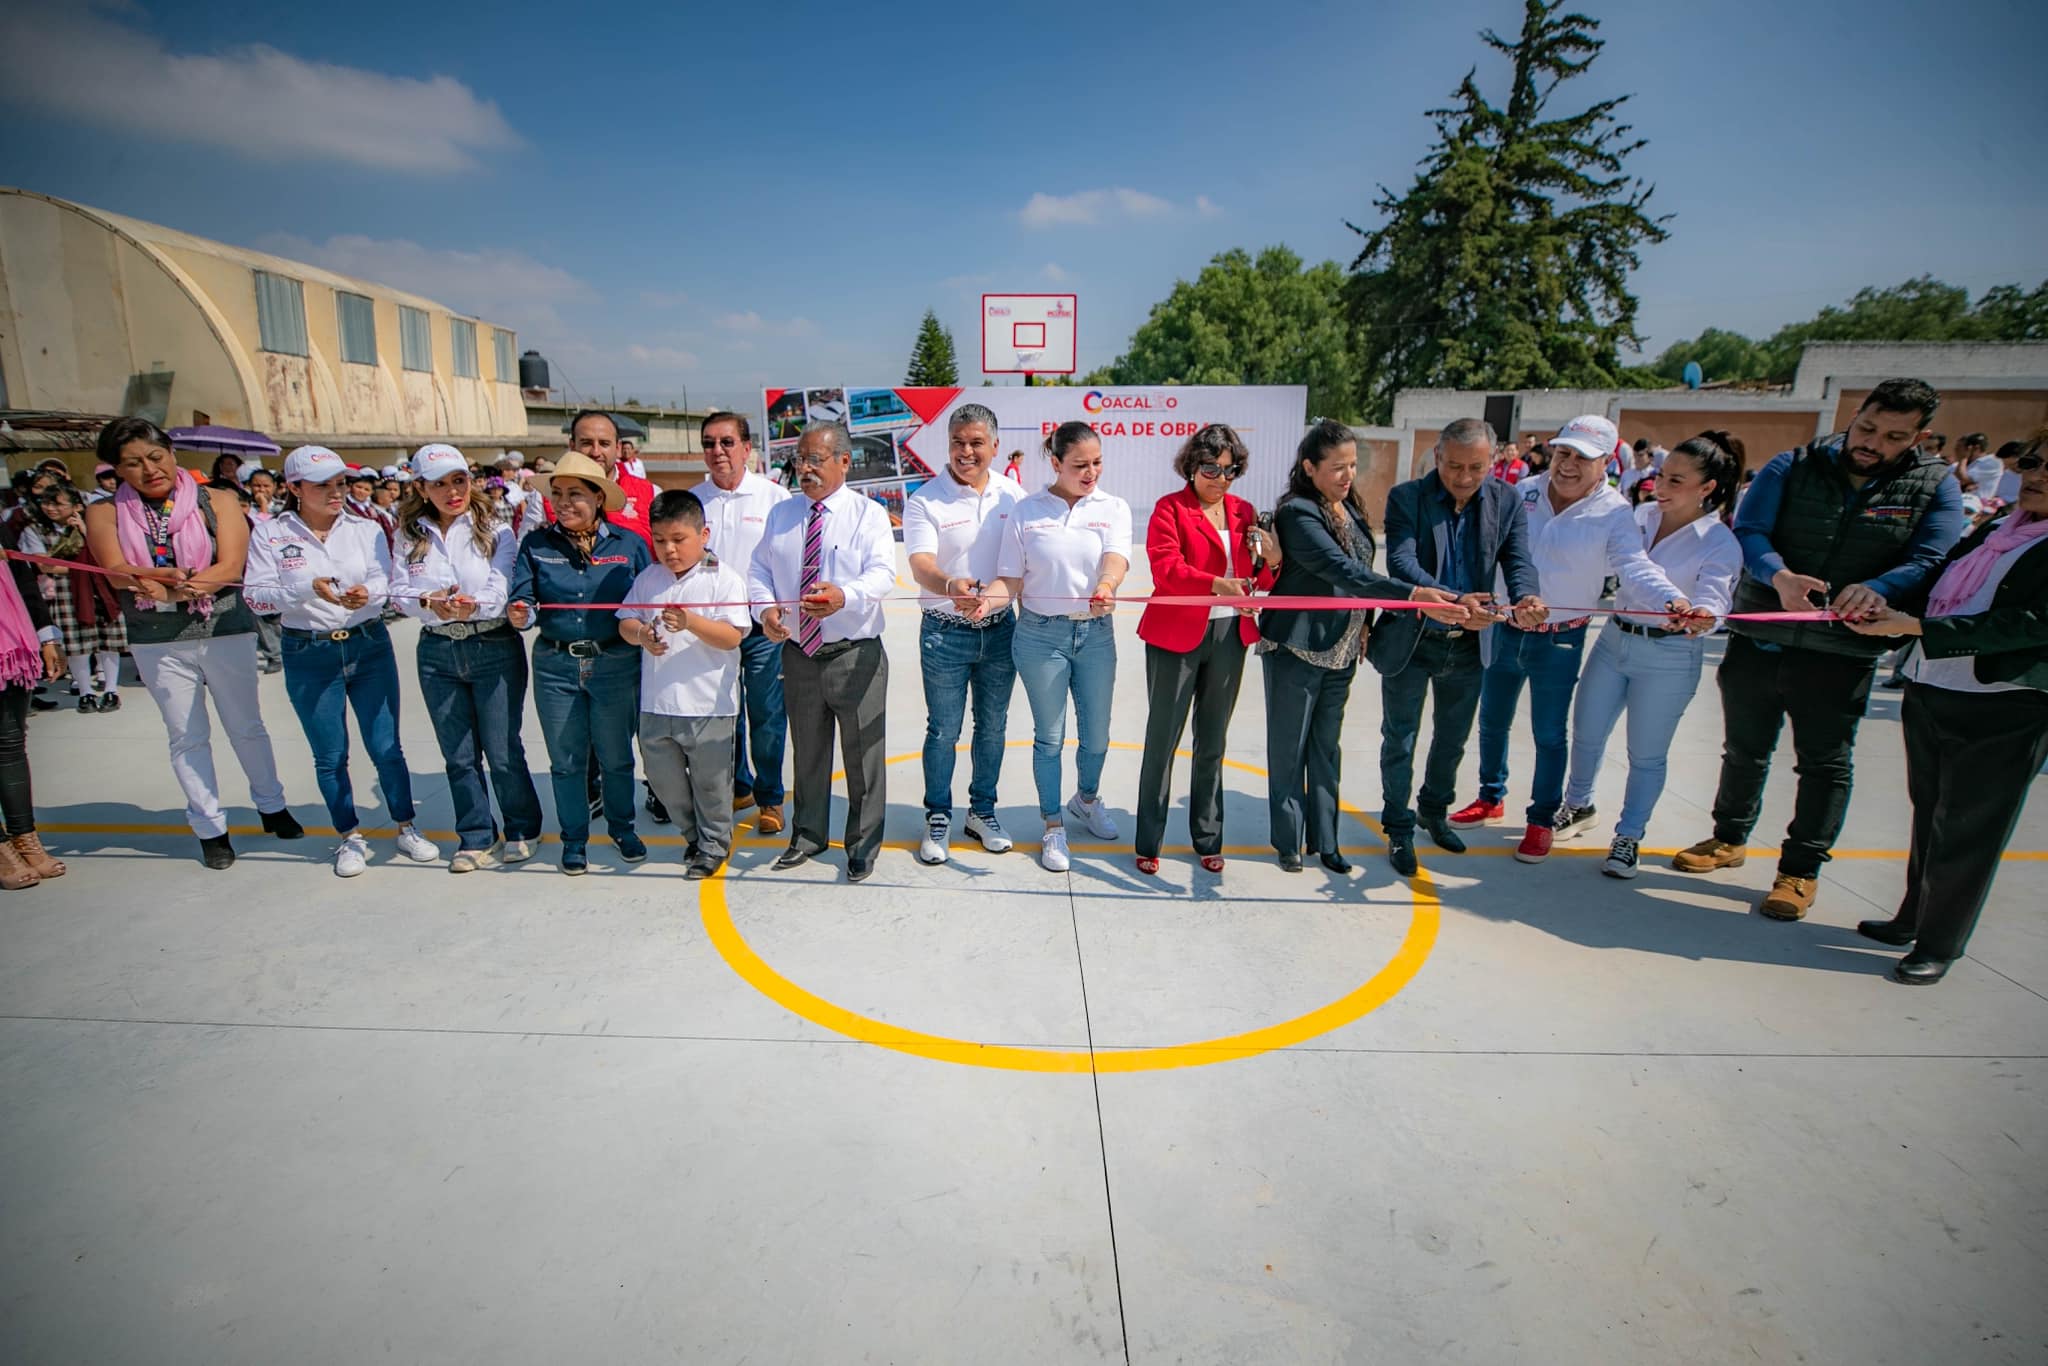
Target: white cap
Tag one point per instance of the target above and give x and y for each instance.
(438, 461)
(249, 468)
(513, 458)
(313, 465)
(1593, 437)
(390, 471)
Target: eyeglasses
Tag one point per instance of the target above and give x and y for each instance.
(2031, 461)
(1211, 470)
(721, 443)
(814, 460)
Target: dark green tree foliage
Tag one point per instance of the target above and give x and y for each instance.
(1245, 321)
(932, 363)
(1506, 264)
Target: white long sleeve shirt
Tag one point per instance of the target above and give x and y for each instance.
(1702, 559)
(452, 561)
(857, 555)
(1056, 548)
(737, 517)
(286, 558)
(963, 530)
(1576, 549)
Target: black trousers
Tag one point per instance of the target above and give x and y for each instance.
(842, 688)
(1304, 722)
(1970, 760)
(16, 798)
(1824, 696)
(1449, 666)
(1205, 679)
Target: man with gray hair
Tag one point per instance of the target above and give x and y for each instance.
(952, 528)
(1449, 529)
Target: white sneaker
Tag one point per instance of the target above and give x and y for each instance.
(1052, 856)
(1092, 813)
(416, 846)
(991, 835)
(352, 857)
(938, 832)
(514, 851)
(473, 860)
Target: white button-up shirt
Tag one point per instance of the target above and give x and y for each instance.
(737, 517)
(1702, 559)
(692, 679)
(1576, 549)
(857, 555)
(285, 558)
(962, 529)
(1958, 673)
(1057, 548)
(453, 561)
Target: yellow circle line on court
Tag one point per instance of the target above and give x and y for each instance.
(1368, 996)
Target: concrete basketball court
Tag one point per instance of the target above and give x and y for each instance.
(987, 1114)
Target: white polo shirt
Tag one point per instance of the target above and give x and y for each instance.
(857, 555)
(736, 518)
(453, 561)
(1576, 549)
(961, 528)
(692, 679)
(1056, 548)
(285, 558)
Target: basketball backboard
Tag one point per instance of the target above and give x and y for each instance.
(1027, 334)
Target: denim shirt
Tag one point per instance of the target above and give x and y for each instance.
(549, 569)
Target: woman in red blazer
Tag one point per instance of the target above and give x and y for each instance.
(1202, 542)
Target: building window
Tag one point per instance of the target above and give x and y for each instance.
(507, 357)
(357, 318)
(280, 313)
(415, 338)
(463, 334)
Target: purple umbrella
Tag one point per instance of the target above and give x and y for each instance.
(226, 440)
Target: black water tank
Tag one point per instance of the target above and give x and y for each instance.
(533, 371)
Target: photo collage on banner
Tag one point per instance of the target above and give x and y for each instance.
(881, 422)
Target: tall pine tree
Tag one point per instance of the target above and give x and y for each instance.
(931, 360)
(1506, 264)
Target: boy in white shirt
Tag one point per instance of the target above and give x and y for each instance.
(689, 677)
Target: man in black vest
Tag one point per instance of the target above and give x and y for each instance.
(1851, 521)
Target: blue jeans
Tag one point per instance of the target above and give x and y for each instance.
(1549, 662)
(1054, 657)
(956, 658)
(1654, 678)
(762, 730)
(476, 695)
(588, 706)
(324, 679)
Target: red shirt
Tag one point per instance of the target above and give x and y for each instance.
(1187, 559)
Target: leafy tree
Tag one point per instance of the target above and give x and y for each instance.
(931, 360)
(1246, 321)
(1721, 354)
(1506, 263)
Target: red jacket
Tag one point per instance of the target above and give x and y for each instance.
(1186, 560)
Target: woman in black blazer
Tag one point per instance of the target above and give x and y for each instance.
(1976, 721)
(1311, 656)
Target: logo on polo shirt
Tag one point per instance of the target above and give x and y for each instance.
(293, 556)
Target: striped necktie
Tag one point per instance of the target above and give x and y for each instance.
(810, 631)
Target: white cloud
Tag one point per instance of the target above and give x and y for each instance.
(1206, 206)
(494, 283)
(663, 298)
(753, 324)
(69, 60)
(1092, 206)
(667, 357)
(1053, 274)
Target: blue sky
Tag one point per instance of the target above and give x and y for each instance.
(709, 199)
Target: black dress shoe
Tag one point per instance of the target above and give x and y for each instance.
(1290, 863)
(1401, 853)
(857, 871)
(283, 824)
(217, 853)
(655, 808)
(1335, 862)
(791, 857)
(1916, 971)
(42, 703)
(1886, 932)
(1443, 837)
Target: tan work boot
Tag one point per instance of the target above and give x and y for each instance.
(741, 803)
(30, 847)
(1790, 898)
(768, 821)
(1710, 856)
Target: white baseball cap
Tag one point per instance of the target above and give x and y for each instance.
(313, 465)
(437, 461)
(1593, 437)
(250, 468)
(513, 458)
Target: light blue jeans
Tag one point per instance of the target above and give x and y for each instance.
(1055, 657)
(1654, 678)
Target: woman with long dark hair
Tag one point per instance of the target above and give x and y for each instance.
(1312, 656)
(29, 653)
(1202, 540)
(1648, 658)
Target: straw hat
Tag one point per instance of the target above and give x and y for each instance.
(575, 465)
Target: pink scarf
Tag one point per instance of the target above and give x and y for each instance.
(1962, 580)
(21, 655)
(191, 547)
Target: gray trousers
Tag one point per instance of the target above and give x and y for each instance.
(689, 765)
(844, 687)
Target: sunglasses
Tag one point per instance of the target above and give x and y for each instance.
(721, 443)
(1211, 470)
(2030, 462)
